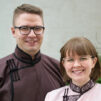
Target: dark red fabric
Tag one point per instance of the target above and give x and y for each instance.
(24, 79)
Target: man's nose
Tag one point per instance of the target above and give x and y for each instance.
(32, 34)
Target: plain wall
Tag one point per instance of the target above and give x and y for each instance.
(63, 19)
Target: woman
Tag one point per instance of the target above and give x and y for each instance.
(80, 67)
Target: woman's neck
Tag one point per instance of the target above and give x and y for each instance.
(80, 83)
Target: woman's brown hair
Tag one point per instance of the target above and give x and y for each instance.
(80, 46)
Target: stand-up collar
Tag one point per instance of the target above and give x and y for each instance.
(26, 58)
(84, 88)
(77, 89)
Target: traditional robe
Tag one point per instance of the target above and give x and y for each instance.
(24, 79)
(89, 92)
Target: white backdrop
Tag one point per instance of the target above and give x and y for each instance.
(63, 19)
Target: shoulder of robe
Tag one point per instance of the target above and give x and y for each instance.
(98, 85)
(58, 91)
(5, 59)
(3, 64)
(50, 61)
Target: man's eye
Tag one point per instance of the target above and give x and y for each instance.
(38, 28)
(24, 28)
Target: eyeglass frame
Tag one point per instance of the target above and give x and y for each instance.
(30, 28)
(81, 59)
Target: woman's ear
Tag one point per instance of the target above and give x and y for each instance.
(63, 63)
(94, 61)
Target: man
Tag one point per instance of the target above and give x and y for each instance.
(27, 74)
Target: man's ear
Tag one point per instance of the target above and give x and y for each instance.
(13, 31)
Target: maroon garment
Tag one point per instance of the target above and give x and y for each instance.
(24, 79)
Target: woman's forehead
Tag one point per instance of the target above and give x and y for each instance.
(76, 53)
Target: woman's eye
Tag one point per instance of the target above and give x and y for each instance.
(70, 60)
(83, 58)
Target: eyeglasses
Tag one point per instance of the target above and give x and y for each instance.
(82, 60)
(25, 30)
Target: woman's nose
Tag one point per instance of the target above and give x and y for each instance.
(76, 63)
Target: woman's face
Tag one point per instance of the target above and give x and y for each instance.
(79, 68)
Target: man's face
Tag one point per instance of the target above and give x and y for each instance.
(28, 43)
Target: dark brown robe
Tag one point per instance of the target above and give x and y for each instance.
(24, 79)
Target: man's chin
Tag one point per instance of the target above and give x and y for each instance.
(33, 50)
